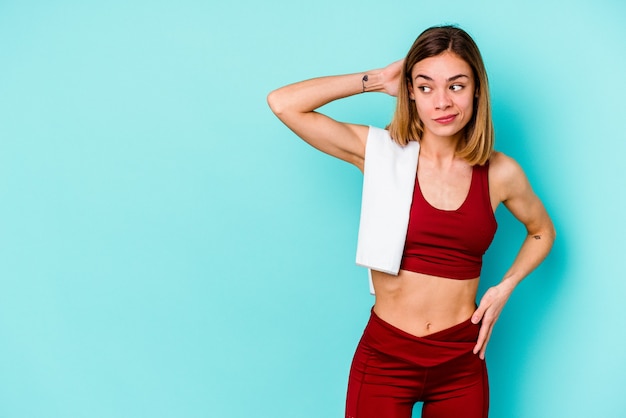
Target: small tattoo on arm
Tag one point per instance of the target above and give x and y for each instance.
(537, 236)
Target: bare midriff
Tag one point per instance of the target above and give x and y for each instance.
(421, 304)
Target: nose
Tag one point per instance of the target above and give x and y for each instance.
(442, 100)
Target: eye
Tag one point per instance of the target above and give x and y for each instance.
(456, 87)
(424, 89)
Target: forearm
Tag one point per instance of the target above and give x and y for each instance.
(296, 105)
(308, 95)
(534, 250)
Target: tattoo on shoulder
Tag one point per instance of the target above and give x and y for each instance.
(537, 236)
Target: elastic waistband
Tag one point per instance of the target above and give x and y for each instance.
(465, 331)
(432, 350)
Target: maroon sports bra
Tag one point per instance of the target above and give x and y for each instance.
(451, 243)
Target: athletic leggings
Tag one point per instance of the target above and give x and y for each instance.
(392, 370)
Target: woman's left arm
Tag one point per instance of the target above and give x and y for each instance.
(510, 186)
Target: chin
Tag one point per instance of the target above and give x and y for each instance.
(446, 131)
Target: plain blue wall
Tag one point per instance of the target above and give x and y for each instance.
(169, 249)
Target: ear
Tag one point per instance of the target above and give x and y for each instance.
(410, 89)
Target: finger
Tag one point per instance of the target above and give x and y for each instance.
(485, 303)
(477, 348)
(483, 349)
(482, 335)
(479, 313)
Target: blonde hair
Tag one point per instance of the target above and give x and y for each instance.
(478, 142)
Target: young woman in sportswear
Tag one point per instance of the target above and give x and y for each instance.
(426, 337)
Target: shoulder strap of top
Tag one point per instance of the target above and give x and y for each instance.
(483, 172)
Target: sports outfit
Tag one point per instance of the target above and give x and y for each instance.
(392, 369)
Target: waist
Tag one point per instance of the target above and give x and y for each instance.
(422, 304)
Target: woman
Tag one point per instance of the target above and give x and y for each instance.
(426, 338)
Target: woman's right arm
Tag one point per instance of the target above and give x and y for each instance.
(296, 104)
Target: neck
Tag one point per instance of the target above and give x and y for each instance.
(440, 149)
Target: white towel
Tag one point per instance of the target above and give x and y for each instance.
(388, 182)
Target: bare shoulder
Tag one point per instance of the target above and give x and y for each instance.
(511, 187)
(501, 165)
(506, 176)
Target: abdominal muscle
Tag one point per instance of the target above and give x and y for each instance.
(421, 304)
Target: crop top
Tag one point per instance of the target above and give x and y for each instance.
(451, 243)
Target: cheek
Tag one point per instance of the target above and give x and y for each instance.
(422, 108)
(467, 104)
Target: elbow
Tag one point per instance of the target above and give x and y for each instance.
(551, 230)
(546, 232)
(275, 103)
(550, 233)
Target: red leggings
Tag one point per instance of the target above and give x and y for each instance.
(392, 370)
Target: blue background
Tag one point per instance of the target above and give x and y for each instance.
(169, 249)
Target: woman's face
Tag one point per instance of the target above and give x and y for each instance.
(443, 88)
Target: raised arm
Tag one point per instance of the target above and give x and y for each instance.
(296, 104)
(511, 187)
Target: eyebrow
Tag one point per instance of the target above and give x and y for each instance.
(453, 78)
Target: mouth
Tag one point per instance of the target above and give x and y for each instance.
(444, 120)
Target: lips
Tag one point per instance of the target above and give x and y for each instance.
(444, 120)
